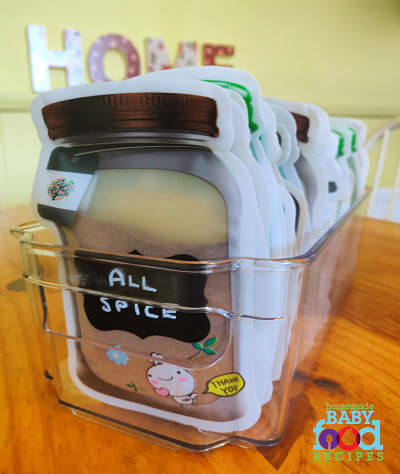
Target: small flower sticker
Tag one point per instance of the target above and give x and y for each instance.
(119, 357)
(60, 188)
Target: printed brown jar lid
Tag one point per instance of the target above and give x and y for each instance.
(303, 125)
(131, 112)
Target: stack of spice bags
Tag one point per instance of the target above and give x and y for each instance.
(187, 165)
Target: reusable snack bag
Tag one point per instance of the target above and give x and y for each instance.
(145, 168)
(360, 154)
(286, 132)
(271, 296)
(344, 153)
(323, 184)
(243, 84)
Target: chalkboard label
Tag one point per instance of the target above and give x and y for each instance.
(144, 320)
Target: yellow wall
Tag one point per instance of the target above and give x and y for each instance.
(341, 54)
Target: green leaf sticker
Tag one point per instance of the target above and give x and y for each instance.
(209, 351)
(206, 348)
(211, 341)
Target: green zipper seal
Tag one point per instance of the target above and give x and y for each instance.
(244, 93)
(353, 139)
(340, 150)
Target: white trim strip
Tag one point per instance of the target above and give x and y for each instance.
(378, 174)
(389, 212)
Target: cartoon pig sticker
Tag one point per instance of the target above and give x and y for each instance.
(171, 381)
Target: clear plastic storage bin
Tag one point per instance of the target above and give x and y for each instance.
(216, 376)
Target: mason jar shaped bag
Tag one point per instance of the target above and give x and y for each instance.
(246, 86)
(152, 175)
(271, 288)
(310, 167)
(360, 160)
(344, 151)
(286, 130)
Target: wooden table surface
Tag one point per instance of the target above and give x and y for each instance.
(359, 362)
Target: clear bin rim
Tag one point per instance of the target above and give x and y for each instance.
(25, 233)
